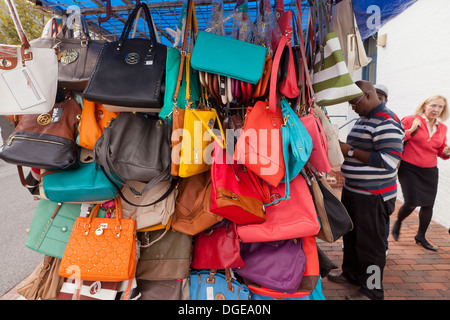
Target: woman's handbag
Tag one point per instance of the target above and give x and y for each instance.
(285, 219)
(76, 56)
(45, 141)
(51, 227)
(43, 283)
(139, 71)
(192, 209)
(212, 285)
(136, 147)
(164, 255)
(163, 289)
(98, 290)
(277, 265)
(217, 248)
(237, 194)
(101, 249)
(29, 75)
(87, 183)
(94, 119)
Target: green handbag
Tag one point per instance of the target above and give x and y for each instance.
(52, 225)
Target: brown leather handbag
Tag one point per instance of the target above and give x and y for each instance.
(192, 209)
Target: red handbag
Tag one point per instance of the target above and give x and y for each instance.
(287, 219)
(237, 194)
(217, 248)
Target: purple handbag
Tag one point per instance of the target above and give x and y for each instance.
(277, 265)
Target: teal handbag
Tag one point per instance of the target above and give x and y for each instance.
(228, 57)
(51, 227)
(208, 284)
(85, 184)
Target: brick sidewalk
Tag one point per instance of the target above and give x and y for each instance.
(412, 272)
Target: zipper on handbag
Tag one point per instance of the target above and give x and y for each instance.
(31, 139)
(30, 84)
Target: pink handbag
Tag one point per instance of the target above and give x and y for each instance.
(287, 219)
(237, 193)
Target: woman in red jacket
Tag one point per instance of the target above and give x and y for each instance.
(425, 140)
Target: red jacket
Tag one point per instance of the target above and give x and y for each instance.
(421, 150)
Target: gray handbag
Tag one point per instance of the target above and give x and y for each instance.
(136, 147)
(76, 56)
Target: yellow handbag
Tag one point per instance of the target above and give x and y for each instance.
(196, 145)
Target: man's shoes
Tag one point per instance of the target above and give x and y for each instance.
(357, 296)
(339, 278)
(424, 243)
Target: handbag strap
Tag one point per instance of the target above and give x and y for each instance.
(74, 16)
(129, 24)
(273, 77)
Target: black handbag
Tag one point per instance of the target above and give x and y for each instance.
(129, 73)
(136, 147)
(76, 56)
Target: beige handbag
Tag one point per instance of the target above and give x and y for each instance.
(162, 198)
(43, 283)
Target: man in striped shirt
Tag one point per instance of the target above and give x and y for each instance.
(373, 150)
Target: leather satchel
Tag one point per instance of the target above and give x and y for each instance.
(45, 141)
(101, 249)
(76, 56)
(138, 67)
(29, 75)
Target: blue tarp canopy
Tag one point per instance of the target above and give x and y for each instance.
(370, 14)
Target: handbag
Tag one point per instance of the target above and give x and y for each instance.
(154, 208)
(101, 249)
(87, 183)
(217, 248)
(334, 218)
(76, 56)
(98, 290)
(51, 227)
(135, 147)
(164, 255)
(277, 265)
(139, 66)
(285, 219)
(163, 289)
(331, 81)
(228, 57)
(237, 194)
(212, 285)
(192, 208)
(94, 119)
(47, 140)
(43, 283)
(29, 75)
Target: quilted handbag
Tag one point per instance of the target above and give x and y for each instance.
(212, 285)
(237, 194)
(192, 209)
(229, 57)
(217, 248)
(94, 119)
(101, 249)
(51, 227)
(164, 255)
(76, 56)
(285, 219)
(29, 75)
(47, 140)
(139, 67)
(277, 265)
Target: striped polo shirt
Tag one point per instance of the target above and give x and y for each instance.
(380, 132)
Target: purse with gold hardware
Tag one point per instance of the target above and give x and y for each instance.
(47, 140)
(101, 249)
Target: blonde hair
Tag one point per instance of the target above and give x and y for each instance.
(420, 109)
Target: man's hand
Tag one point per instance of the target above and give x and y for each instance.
(344, 147)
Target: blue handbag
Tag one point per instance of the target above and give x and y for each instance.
(212, 285)
(86, 184)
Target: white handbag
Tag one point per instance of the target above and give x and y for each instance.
(28, 75)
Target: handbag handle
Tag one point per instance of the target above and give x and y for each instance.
(71, 19)
(23, 37)
(129, 24)
(273, 77)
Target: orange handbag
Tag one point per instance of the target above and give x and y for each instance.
(101, 249)
(94, 118)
